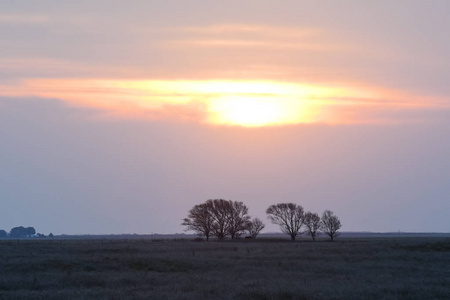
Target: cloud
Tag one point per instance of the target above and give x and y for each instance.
(228, 74)
(252, 36)
(226, 102)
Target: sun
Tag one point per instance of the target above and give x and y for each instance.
(257, 104)
(246, 111)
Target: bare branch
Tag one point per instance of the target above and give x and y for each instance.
(199, 220)
(254, 227)
(313, 225)
(330, 224)
(288, 216)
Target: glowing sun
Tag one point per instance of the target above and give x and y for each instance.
(244, 111)
(254, 104)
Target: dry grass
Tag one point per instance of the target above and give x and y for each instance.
(384, 268)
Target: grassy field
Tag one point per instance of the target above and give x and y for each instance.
(373, 268)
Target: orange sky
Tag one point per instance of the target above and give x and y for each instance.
(227, 74)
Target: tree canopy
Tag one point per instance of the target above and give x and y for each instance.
(21, 232)
(200, 220)
(313, 224)
(289, 216)
(218, 217)
(255, 226)
(330, 224)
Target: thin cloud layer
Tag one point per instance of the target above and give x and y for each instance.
(225, 102)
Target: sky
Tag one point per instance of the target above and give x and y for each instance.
(119, 116)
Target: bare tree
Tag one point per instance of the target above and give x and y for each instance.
(254, 227)
(239, 219)
(221, 211)
(330, 224)
(218, 217)
(200, 220)
(313, 225)
(288, 216)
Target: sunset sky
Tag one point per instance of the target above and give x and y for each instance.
(119, 116)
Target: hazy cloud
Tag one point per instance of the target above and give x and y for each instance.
(212, 101)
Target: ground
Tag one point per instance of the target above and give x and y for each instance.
(349, 268)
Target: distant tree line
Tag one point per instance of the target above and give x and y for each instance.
(22, 232)
(225, 218)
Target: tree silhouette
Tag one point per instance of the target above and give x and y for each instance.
(30, 231)
(330, 224)
(239, 219)
(255, 226)
(199, 220)
(313, 225)
(221, 211)
(288, 216)
(21, 232)
(218, 217)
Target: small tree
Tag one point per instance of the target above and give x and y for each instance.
(199, 220)
(3, 234)
(330, 224)
(18, 232)
(312, 223)
(254, 227)
(30, 231)
(288, 216)
(239, 219)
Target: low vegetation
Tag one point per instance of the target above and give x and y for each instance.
(349, 268)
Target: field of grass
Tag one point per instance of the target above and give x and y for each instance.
(352, 268)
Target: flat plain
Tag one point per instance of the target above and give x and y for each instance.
(349, 268)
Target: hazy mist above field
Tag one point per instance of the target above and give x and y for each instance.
(119, 116)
